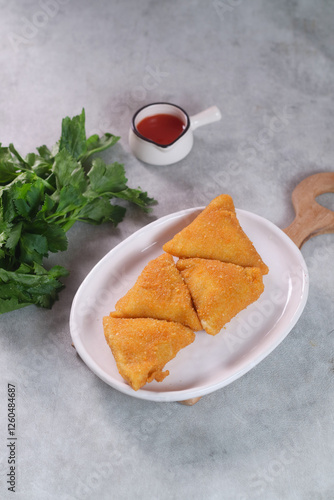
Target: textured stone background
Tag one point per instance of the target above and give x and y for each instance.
(269, 435)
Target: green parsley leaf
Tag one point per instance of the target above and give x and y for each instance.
(70, 198)
(100, 210)
(29, 285)
(96, 144)
(107, 178)
(33, 247)
(42, 196)
(8, 171)
(68, 171)
(45, 152)
(136, 196)
(17, 155)
(73, 135)
(14, 237)
(27, 197)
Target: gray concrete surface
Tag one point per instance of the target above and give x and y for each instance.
(269, 435)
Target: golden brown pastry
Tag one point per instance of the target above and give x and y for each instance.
(220, 290)
(159, 293)
(223, 202)
(216, 234)
(142, 346)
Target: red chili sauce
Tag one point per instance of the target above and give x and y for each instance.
(162, 129)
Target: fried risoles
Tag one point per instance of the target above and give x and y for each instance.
(216, 234)
(142, 346)
(159, 293)
(220, 290)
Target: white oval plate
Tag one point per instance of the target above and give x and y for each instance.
(210, 363)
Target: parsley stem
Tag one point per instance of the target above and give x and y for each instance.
(69, 224)
(47, 185)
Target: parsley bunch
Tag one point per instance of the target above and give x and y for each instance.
(41, 197)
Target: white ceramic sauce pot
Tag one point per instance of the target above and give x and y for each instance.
(153, 153)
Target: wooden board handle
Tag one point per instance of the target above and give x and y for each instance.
(311, 218)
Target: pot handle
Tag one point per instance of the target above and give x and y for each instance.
(311, 218)
(209, 115)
